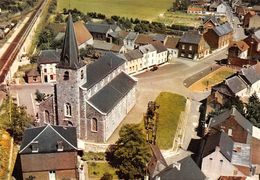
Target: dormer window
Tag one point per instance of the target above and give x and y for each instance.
(66, 75)
(59, 146)
(35, 147)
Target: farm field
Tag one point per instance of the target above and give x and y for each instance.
(145, 9)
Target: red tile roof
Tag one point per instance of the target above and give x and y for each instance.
(82, 34)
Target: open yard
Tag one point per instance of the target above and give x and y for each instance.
(145, 9)
(212, 79)
(171, 106)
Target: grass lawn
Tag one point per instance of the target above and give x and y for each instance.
(171, 105)
(179, 18)
(212, 79)
(142, 9)
(97, 169)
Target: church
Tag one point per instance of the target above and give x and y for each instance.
(94, 98)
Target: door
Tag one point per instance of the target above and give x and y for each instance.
(52, 175)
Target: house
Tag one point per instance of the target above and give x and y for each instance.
(162, 52)
(232, 123)
(157, 162)
(47, 62)
(247, 17)
(219, 36)
(171, 45)
(118, 37)
(238, 49)
(149, 55)
(49, 152)
(159, 37)
(210, 22)
(184, 169)
(81, 92)
(33, 76)
(134, 61)
(83, 36)
(129, 40)
(254, 21)
(103, 47)
(101, 31)
(253, 41)
(195, 9)
(213, 6)
(192, 45)
(143, 39)
(241, 11)
(222, 8)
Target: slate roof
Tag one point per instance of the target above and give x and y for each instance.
(82, 33)
(100, 28)
(241, 120)
(109, 96)
(101, 68)
(241, 154)
(223, 29)
(213, 19)
(69, 58)
(223, 89)
(147, 48)
(47, 138)
(159, 46)
(33, 72)
(131, 36)
(102, 45)
(119, 34)
(159, 37)
(250, 74)
(191, 37)
(132, 55)
(235, 84)
(143, 39)
(49, 56)
(188, 171)
(223, 141)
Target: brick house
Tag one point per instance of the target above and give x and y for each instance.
(95, 97)
(210, 22)
(238, 49)
(219, 37)
(33, 76)
(253, 41)
(49, 152)
(193, 46)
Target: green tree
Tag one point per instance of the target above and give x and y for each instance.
(253, 110)
(39, 96)
(130, 153)
(107, 176)
(59, 18)
(14, 119)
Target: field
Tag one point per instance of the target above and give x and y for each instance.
(171, 106)
(142, 9)
(212, 79)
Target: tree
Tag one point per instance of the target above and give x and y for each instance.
(39, 96)
(59, 18)
(14, 119)
(130, 153)
(107, 176)
(253, 110)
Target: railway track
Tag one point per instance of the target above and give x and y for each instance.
(12, 51)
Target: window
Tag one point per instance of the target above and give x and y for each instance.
(47, 116)
(94, 125)
(51, 70)
(183, 46)
(51, 77)
(190, 48)
(67, 109)
(35, 146)
(82, 74)
(59, 146)
(34, 78)
(66, 75)
(45, 70)
(230, 132)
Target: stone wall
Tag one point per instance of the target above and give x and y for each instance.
(47, 108)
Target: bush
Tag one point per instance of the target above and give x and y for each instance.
(107, 176)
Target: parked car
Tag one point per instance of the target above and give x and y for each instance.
(154, 68)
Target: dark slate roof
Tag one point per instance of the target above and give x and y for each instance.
(108, 97)
(235, 84)
(47, 138)
(250, 74)
(131, 36)
(159, 46)
(188, 171)
(223, 141)
(223, 29)
(213, 19)
(69, 58)
(132, 55)
(159, 37)
(101, 68)
(191, 37)
(49, 56)
(241, 120)
(223, 89)
(99, 28)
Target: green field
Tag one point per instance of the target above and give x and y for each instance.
(142, 9)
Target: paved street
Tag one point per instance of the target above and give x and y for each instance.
(239, 33)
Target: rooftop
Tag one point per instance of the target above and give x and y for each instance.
(191, 37)
(223, 29)
(82, 33)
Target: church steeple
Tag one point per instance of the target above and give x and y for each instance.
(69, 58)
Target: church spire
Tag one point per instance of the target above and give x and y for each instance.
(69, 58)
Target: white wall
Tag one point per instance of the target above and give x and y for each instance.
(51, 70)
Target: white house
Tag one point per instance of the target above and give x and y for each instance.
(162, 53)
(134, 61)
(149, 55)
(171, 45)
(129, 41)
(222, 8)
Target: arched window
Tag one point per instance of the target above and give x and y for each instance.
(67, 109)
(47, 116)
(94, 125)
(66, 75)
